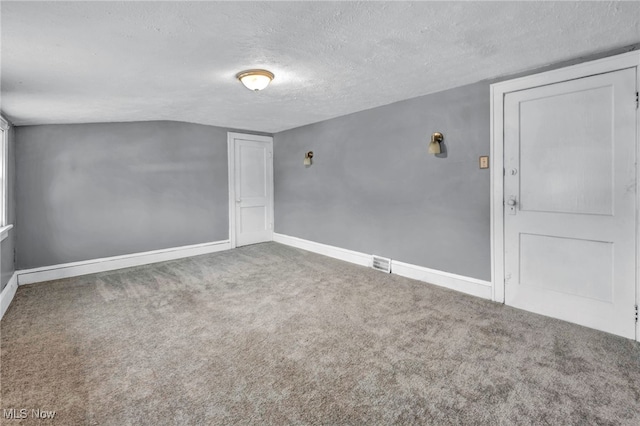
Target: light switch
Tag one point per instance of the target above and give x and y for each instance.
(484, 162)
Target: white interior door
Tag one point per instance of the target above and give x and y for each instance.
(570, 200)
(252, 193)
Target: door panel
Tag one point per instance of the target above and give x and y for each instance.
(253, 191)
(252, 219)
(573, 132)
(253, 170)
(569, 155)
(564, 269)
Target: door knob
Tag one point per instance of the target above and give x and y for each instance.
(511, 205)
(238, 200)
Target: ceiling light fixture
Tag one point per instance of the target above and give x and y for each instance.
(255, 79)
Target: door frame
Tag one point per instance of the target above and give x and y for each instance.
(231, 156)
(496, 129)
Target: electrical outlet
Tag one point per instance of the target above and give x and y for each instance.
(484, 162)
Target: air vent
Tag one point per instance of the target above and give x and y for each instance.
(382, 264)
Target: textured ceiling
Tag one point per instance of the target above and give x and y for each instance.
(75, 62)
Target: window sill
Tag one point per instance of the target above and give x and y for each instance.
(4, 232)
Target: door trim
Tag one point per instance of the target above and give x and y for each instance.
(496, 129)
(231, 156)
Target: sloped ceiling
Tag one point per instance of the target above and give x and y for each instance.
(76, 62)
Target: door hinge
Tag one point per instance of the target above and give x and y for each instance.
(636, 313)
(637, 99)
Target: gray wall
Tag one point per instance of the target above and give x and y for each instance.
(7, 259)
(87, 191)
(373, 188)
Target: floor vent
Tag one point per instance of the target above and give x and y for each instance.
(382, 264)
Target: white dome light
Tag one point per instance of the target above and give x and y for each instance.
(255, 79)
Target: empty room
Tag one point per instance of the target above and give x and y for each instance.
(336, 213)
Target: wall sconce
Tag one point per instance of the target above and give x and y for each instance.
(307, 158)
(434, 146)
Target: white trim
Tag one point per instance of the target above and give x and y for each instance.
(472, 286)
(496, 206)
(456, 282)
(231, 165)
(638, 199)
(8, 292)
(326, 250)
(231, 178)
(5, 126)
(498, 92)
(74, 269)
(4, 232)
(599, 66)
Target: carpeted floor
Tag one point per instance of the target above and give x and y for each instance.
(268, 334)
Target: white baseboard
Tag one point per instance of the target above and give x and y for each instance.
(456, 282)
(460, 283)
(331, 251)
(7, 294)
(74, 269)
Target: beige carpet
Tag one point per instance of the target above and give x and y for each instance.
(269, 334)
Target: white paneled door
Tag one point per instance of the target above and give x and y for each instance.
(252, 188)
(570, 200)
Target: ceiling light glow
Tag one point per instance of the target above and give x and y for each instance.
(255, 79)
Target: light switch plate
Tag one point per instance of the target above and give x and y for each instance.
(484, 162)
